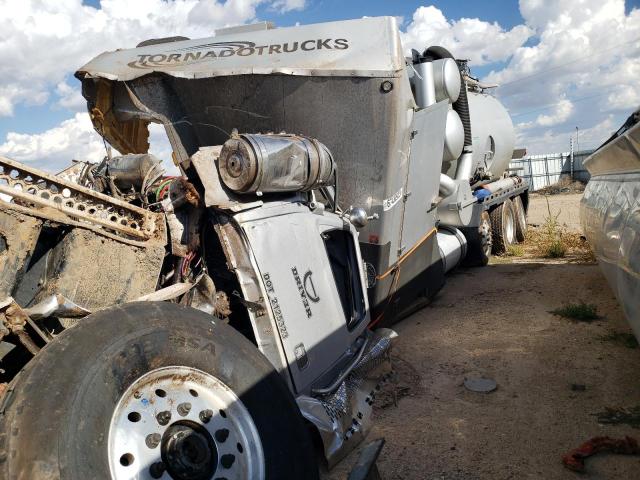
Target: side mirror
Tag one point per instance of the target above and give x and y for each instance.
(358, 217)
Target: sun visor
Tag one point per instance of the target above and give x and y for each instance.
(368, 47)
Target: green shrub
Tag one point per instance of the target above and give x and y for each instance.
(584, 312)
(555, 249)
(514, 251)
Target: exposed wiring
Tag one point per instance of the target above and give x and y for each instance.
(393, 288)
(184, 268)
(160, 190)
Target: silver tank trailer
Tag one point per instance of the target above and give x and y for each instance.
(493, 136)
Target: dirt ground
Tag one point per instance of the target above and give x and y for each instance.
(567, 207)
(553, 375)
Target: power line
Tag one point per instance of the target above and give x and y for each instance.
(570, 62)
(550, 105)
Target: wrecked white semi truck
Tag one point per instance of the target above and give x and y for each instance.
(222, 323)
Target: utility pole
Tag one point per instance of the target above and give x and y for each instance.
(571, 156)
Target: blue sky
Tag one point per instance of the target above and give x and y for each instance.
(557, 61)
(33, 119)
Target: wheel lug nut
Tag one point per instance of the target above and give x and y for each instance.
(153, 440)
(205, 416)
(184, 409)
(163, 417)
(227, 460)
(156, 470)
(222, 435)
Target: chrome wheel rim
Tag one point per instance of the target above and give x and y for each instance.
(509, 225)
(182, 423)
(485, 235)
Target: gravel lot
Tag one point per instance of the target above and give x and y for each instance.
(553, 375)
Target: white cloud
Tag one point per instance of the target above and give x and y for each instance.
(558, 140)
(288, 5)
(579, 67)
(74, 139)
(561, 113)
(481, 42)
(54, 149)
(584, 68)
(70, 97)
(43, 42)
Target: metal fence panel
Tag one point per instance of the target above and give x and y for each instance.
(547, 169)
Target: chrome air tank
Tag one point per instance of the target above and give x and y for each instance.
(493, 135)
(265, 163)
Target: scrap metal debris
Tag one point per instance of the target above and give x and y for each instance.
(57, 306)
(574, 459)
(480, 385)
(366, 468)
(619, 415)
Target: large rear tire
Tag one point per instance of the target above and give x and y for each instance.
(479, 242)
(153, 389)
(520, 219)
(503, 227)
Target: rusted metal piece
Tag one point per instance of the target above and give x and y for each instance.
(574, 459)
(181, 208)
(127, 137)
(59, 217)
(14, 320)
(38, 190)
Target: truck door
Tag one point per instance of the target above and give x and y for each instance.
(310, 268)
(423, 174)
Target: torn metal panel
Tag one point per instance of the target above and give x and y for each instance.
(241, 262)
(343, 417)
(56, 306)
(130, 136)
(18, 236)
(344, 48)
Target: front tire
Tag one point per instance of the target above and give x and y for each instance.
(60, 413)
